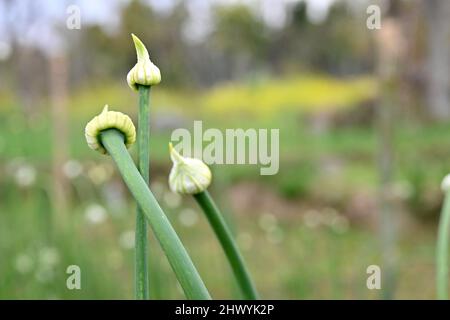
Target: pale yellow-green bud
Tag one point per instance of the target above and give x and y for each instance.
(445, 185)
(188, 175)
(109, 120)
(144, 72)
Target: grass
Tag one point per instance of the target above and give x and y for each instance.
(303, 265)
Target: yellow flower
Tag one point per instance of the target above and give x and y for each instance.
(144, 72)
(188, 175)
(109, 120)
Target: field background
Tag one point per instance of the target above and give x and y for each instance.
(313, 70)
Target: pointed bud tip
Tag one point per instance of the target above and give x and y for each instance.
(141, 50)
(174, 155)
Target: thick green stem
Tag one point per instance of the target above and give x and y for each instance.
(143, 136)
(177, 255)
(225, 237)
(442, 250)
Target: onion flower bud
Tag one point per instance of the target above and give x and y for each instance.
(144, 72)
(109, 120)
(188, 175)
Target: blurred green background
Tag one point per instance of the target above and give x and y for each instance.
(364, 143)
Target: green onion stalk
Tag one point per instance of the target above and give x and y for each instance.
(143, 137)
(192, 176)
(229, 246)
(111, 133)
(442, 244)
(140, 78)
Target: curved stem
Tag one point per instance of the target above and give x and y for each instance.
(225, 237)
(177, 255)
(143, 136)
(442, 250)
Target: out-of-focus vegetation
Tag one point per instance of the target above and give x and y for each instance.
(309, 231)
(304, 94)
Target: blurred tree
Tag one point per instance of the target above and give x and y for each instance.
(94, 54)
(241, 38)
(26, 60)
(58, 88)
(335, 52)
(438, 61)
(413, 77)
(390, 46)
(299, 16)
